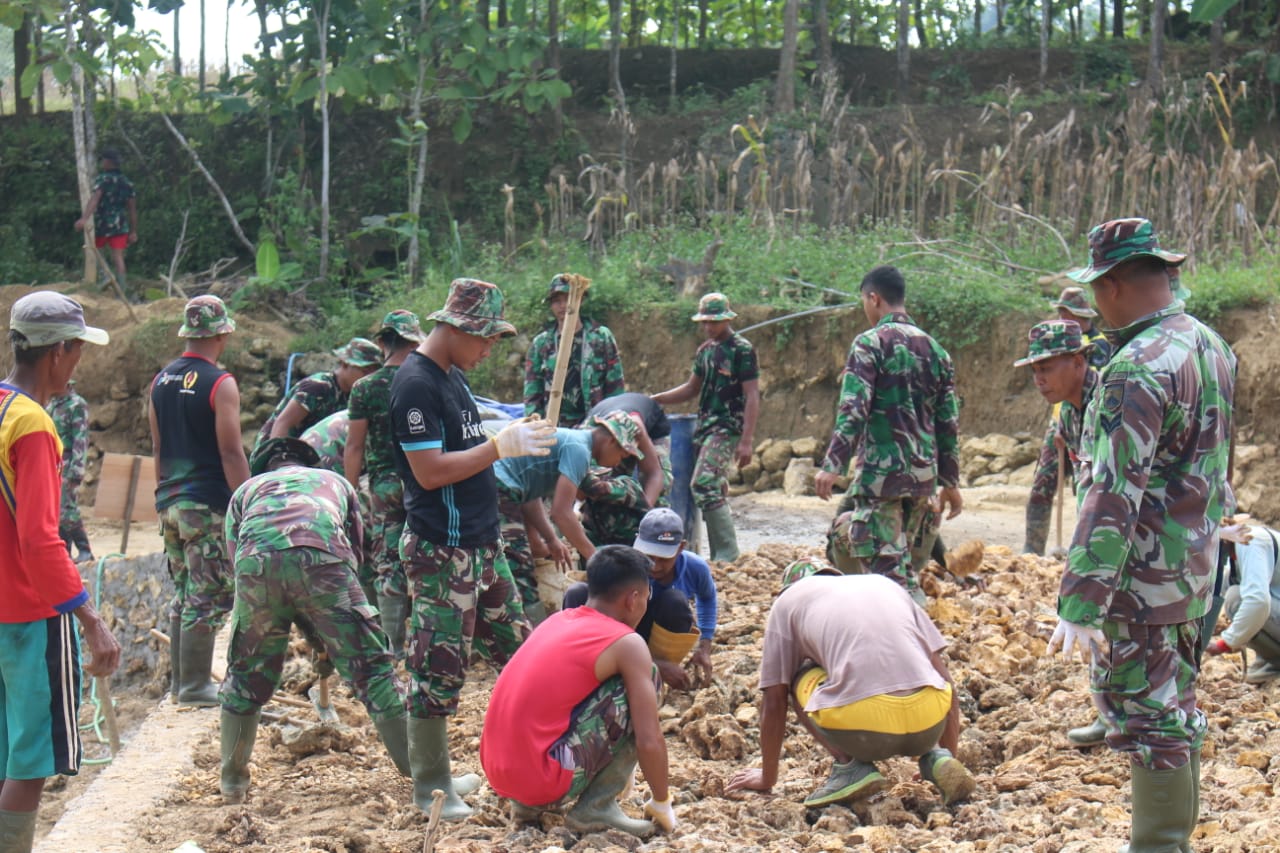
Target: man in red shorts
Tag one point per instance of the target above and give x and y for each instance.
(114, 208)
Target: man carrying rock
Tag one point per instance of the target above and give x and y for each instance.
(862, 665)
(460, 585)
(577, 706)
(897, 421)
(321, 394)
(195, 439)
(1141, 565)
(39, 656)
(70, 414)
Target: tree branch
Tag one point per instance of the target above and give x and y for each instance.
(226, 205)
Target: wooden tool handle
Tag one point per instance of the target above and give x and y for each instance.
(1062, 490)
(577, 289)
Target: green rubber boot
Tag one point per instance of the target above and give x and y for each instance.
(722, 539)
(851, 781)
(238, 734)
(393, 610)
(17, 831)
(597, 809)
(175, 657)
(1162, 810)
(1090, 735)
(1185, 846)
(195, 663)
(951, 777)
(429, 768)
(1037, 528)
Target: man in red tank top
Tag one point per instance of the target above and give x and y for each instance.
(577, 706)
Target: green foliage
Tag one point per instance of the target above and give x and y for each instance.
(1227, 282)
(1103, 65)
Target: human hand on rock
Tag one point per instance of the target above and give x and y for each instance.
(751, 779)
(1069, 636)
(673, 674)
(1217, 646)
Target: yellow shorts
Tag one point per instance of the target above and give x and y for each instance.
(884, 714)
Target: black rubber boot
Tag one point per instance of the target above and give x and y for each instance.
(1037, 528)
(195, 657)
(239, 731)
(1162, 810)
(175, 657)
(430, 770)
(597, 809)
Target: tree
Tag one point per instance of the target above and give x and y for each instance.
(1117, 19)
(1046, 16)
(1155, 66)
(784, 98)
(22, 38)
(904, 50)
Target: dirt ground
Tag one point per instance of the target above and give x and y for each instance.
(341, 793)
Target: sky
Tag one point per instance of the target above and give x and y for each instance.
(242, 37)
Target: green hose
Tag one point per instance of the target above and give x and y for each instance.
(98, 717)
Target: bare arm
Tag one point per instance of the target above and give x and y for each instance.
(537, 524)
(680, 393)
(226, 418)
(650, 468)
(750, 413)
(629, 657)
(293, 414)
(435, 469)
(89, 210)
(353, 452)
(133, 220)
(567, 520)
(773, 727)
(104, 650)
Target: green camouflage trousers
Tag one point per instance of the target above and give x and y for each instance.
(599, 727)
(203, 584)
(1144, 684)
(70, 524)
(386, 517)
(711, 472)
(516, 549)
(459, 594)
(305, 586)
(874, 535)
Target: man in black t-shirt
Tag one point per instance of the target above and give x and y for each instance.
(452, 551)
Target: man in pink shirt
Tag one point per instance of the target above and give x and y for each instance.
(578, 704)
(39, 654)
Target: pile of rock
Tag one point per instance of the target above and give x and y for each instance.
(999, 460)
(781, 463)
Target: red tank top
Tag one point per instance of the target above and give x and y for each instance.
(535, 694)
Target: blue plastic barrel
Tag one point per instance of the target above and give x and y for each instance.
(683, 457)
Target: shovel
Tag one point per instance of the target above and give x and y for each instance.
(319, 696)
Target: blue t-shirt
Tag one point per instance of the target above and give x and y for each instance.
(532, 478)
(693, 578)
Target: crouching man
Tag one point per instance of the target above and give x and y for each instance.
(295, 535)
(578, 705)
(862, 664)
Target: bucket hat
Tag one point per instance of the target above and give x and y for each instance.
(206, 317)
(475, 307)
(405, 324)
(359, 352)
(1051, 338)
(712, 308)
(1119, 240)
(623, 427)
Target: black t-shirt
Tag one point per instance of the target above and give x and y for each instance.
(434, 410)
(633, 402)
(190, 464)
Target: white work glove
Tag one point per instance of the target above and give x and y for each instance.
(525, 437)
(663, 814)
(1068, 635)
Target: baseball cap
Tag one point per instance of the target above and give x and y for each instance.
(661, 533)
(48, 317)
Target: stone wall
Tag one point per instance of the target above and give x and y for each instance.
(134, 599)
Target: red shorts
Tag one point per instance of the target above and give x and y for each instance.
(115, 241)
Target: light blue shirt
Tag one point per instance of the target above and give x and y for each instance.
(533, 478)
(1259, 587)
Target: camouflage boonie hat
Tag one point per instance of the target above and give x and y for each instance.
(206, 317)
(713, 308)
(1117, 241)
(295, 448)
(359, 352)
(475, 307)
(405, 324)
(1073, 300)
(623, 427)
(1050, 338)
(798, 570)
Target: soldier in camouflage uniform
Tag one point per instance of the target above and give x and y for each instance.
(595, 368)
(113, 207)
(295, 535)
(319, 395)
(614, 500)
(1140, 570)
(898, 417)
(70, 414)
(726, 381)
(369, 450)
(1072, 306)
(451, 549)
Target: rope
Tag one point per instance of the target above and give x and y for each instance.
(98, 717)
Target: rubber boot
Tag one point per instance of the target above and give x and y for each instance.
(1090, 735)
(945, 771)
(536, 613)
(395, 737)
(238, 734)
(1161, 810)
(1194, 821)
(722, 539)
(597, 809)
(429, 767)
(393, 611)
(175, 658)
(195, 659)
(1037, 528)
(17, 831)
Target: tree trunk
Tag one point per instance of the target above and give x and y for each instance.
(635, 23)
(21, 59)
(1102, 18)
(1117, 19)
(1215, 43)
(977, 17)
(675, 39)
(1155, 67)
(482, 12)
(226, 46)
(921, 34)
(704, 15)
(1144, 17)
(615, 87)
(202, 41)
(503, 18)
(904, 50)
(755, 23)
(784, 94)
(81, 122)
(1000, 17)
(1046, 12)
(322, 27)
(177, 43)
(414, 270)
(822, 35)
(553, 58)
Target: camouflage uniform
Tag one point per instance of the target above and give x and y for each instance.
(197, 552)
(613, 500)
(1066, 422)
(320, 394)
(371, 402)
(296, 533)
(328, 438)
(70, 414)
(590, 379)
(1154, 451)
(898, 414)
(722, 366)
(111, 217)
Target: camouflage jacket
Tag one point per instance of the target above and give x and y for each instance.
(613, 501)
(723, 366)
(70, 414)
(318, 393)
(1100, 351)
(591, 377)
(1154, 463)
(371, 402)
(898, 413)
(111, 216)
(329, 439)
(295, 507)
(1070, 420)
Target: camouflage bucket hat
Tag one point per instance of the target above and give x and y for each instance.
(713, 308)
(1074, 300)
(405, 324)
(206, 317)
(798, 570)
(475, 307)
(623, 427)
(1050, 338)
(1117, 241)
(268, 451)
(359, 352)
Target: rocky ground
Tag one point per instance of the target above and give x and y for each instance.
(337, 791)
